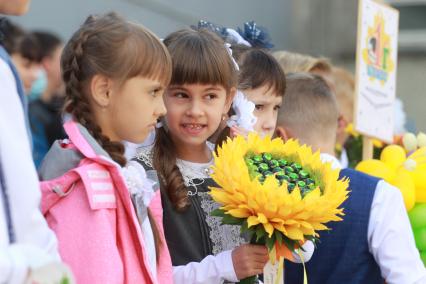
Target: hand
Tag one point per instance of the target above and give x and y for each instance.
(235, 131)
(249, 260)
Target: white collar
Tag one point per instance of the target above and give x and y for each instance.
(327, 158)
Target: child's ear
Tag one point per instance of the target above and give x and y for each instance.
(230, 99)
(280, 132)
(100, 90)
(341, 124)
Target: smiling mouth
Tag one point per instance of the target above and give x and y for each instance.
(193, 128)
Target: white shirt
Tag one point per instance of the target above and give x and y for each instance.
(344, 159)
(142, 191)
(131, 149)
(390, 237)
(35, 244)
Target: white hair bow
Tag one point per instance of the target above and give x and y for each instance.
(244, 116)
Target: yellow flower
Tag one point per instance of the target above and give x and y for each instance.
(377, 143)
(270, 204)
(351, 130)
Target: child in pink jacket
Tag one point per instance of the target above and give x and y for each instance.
(115, 73)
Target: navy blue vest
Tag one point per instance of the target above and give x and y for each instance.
(342, 254)
(6, 58)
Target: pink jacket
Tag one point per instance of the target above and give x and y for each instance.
(90, 210)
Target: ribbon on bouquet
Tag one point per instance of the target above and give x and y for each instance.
(275, 269)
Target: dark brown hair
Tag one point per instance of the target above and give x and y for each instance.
(257, 68)
(197, 57)
(18, 41)
(120, 50)
(48, 41)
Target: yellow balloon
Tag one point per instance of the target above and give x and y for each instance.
(419, 179)
(404, 182)
(376, 168)
(393, 155)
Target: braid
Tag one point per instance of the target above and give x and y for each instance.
(110, 46)
(77, 103)
(171, 177)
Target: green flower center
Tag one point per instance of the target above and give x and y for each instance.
(263, 165)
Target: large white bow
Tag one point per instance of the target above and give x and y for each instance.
(244, 116)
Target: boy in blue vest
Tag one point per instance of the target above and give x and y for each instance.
(374, 243)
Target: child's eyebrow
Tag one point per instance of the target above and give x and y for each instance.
(212, 89)
(174, 88)
(157, 86)
(262, 102)
(267, 101)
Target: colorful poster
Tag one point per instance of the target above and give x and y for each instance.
(376, 62)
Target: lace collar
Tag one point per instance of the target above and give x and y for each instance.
(193, 173)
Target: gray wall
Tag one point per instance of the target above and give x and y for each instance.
(163, 16)
(317, 27)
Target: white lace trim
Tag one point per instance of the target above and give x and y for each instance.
(146, 155)
(190, 171)
(194, 174)
(223, 237)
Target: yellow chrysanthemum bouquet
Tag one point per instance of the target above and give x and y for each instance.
(280, 193)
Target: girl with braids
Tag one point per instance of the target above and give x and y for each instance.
(107, 217)
(200, 94)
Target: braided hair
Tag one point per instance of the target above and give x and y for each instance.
(113, 47)
(120, 50)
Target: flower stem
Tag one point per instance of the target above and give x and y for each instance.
(249, 280)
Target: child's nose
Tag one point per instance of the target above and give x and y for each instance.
(269, 125)
(161, 109)
(195, 109)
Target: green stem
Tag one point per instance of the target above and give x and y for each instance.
(249, 280)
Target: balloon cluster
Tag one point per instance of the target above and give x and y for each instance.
(405, 168)
(418, 222)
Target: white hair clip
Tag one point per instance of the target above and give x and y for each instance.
(228, 48)
(244, 109)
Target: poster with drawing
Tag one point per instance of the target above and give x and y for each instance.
(376, 63)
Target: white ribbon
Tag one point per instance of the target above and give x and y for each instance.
(228, 48)
(244, 116)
